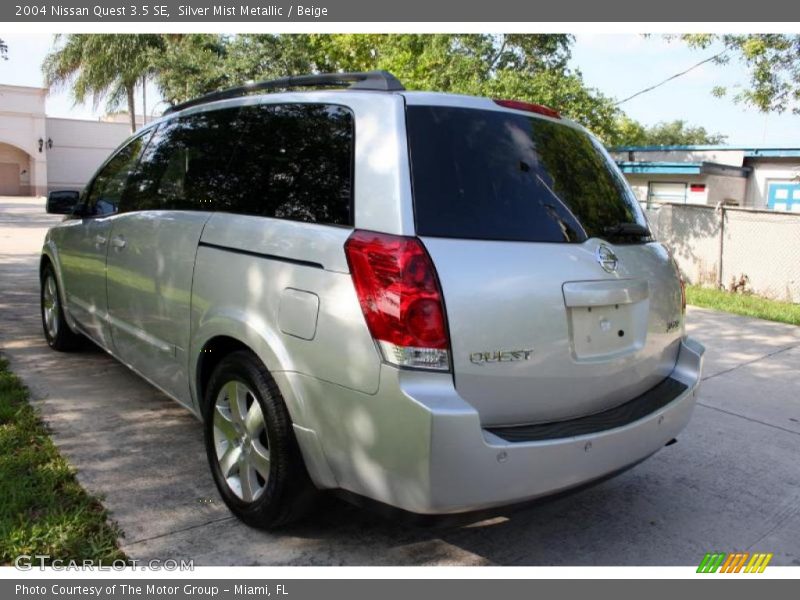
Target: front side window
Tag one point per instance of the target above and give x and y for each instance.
(185, 165)
(109, 184)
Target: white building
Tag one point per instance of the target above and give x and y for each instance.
(761, 178)
(40, 153)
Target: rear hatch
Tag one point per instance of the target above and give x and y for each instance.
(559, 303)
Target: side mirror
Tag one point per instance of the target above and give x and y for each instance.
(62, 202)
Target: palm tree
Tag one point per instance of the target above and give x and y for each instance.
(102, 66)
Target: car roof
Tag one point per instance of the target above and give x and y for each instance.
(412, 98)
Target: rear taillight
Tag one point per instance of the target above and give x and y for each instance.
(683, 293)
(400, 296)
(530, 107)
(681, 280)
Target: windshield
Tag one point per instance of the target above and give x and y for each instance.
(495, 175)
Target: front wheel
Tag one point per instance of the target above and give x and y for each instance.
(251, 448)
(56, 331)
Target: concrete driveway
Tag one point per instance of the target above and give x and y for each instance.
(732, 482)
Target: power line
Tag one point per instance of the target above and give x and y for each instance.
(668, 79)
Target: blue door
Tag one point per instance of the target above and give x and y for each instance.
(784, 196)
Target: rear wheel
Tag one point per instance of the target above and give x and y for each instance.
(56, 330)
(251, 447)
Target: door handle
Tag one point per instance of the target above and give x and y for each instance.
(118, 242)
(100, 240)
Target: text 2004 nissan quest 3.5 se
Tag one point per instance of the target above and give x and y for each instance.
(440, 303)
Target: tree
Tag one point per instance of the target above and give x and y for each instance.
(3, 49)
(671, 133)
(191, 65)
(103, 66)
(772, 62)
(423, 61)
(526, 67)
(521, 66)
(447, 62)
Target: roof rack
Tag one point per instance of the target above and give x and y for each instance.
(381, 81)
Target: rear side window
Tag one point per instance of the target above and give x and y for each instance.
(296, 163)
(494, 175)
(285, 161)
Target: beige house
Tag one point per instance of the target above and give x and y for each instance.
(761, 178)
(40, 153)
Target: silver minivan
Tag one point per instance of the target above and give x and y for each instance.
(436, 302)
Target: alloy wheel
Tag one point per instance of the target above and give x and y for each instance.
(241, 441)
(50, 306)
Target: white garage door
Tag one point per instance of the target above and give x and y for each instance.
(667, 191)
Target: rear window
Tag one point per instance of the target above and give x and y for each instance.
(494, 175)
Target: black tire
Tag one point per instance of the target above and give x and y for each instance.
(287, 493)
(57, 332)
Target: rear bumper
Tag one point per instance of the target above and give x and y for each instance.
(418, 446)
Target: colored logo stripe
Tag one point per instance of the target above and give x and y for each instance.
(711, 562)
(735, 562)
(758, 563)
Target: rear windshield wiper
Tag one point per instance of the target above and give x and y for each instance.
(627, 230)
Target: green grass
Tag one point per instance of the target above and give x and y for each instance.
(744, 304)
(43, 509)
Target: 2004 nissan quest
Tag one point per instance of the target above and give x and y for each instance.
(437, 302)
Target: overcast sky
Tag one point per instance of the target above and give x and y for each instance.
(617, 65)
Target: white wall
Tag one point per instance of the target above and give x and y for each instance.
(692, 234)
(718, 187)
(726, 189)
(763, 245)
(79, 148)
(750, 192)
(765, 171)
(15, 156)
(639, 183)
(22, 124)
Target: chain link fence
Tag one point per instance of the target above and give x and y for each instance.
(751, 250)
